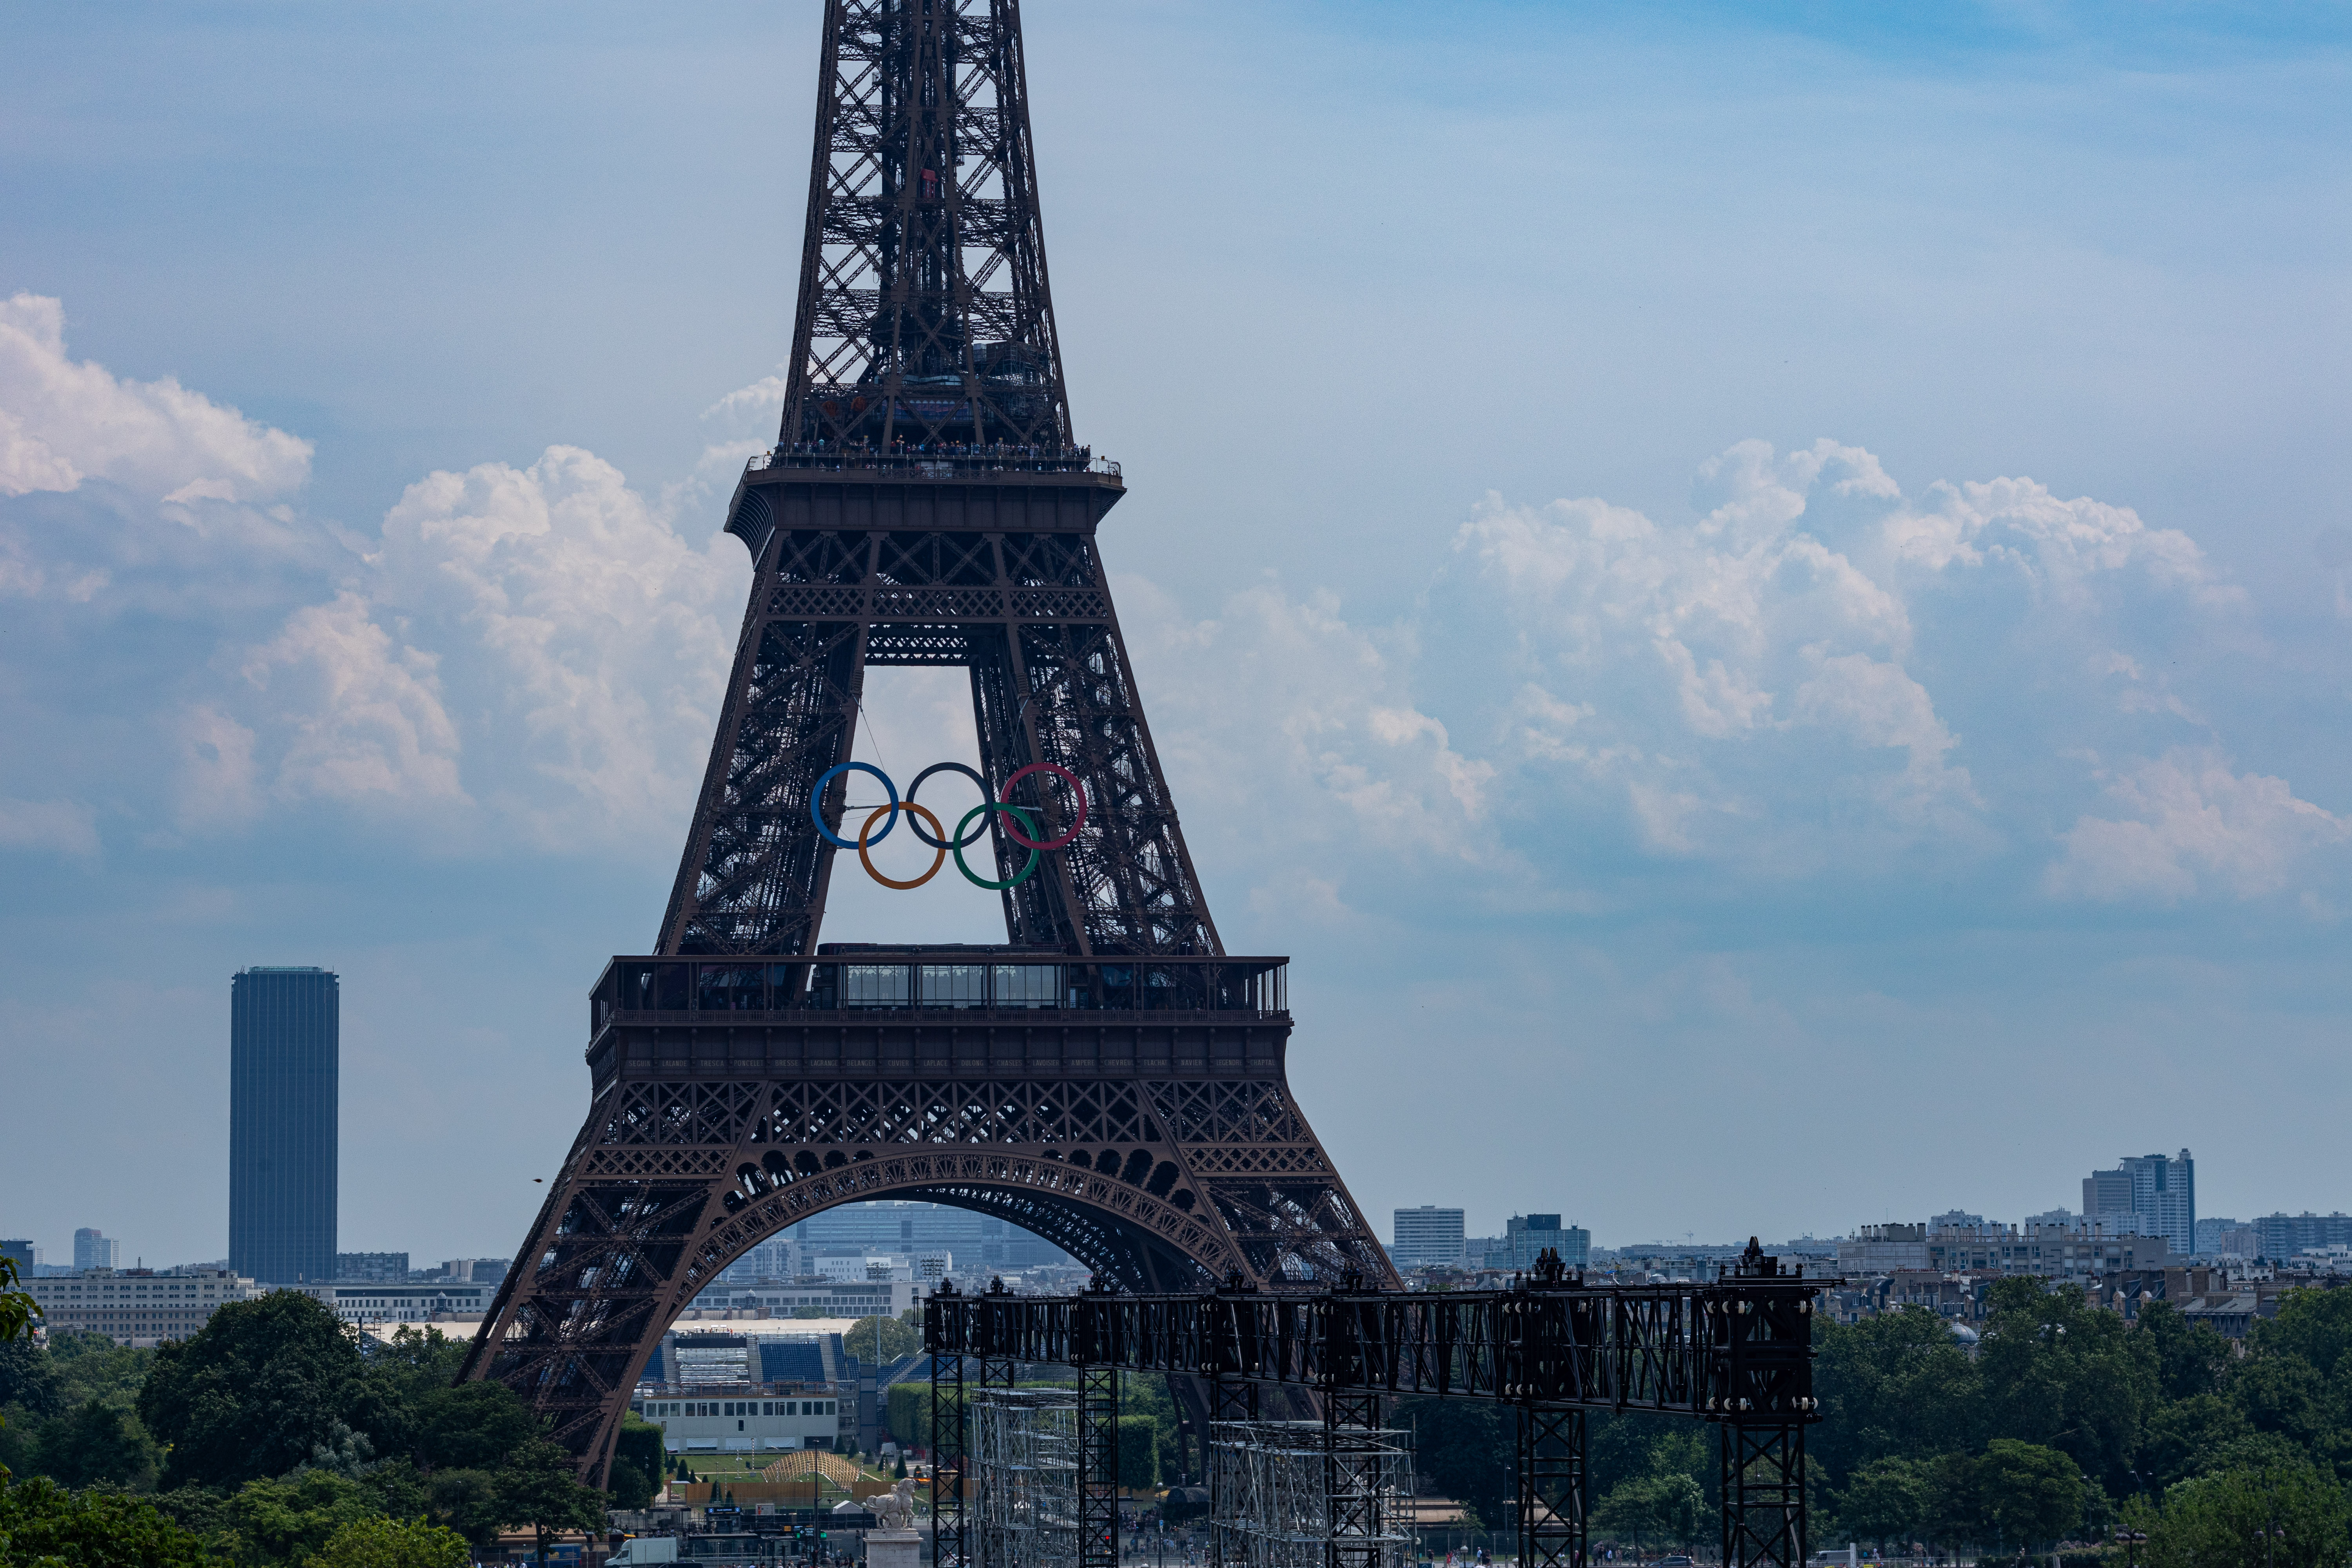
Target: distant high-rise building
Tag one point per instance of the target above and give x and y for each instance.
(2155, 1195)
(283, 1056)
(2164, 1190)
(93, 1250)
(1525, 1237)
(2209, 1231)
(2106, 1194)
(2282, 1235)
(372, 1267)
(22, 1252)
(1426, 1237)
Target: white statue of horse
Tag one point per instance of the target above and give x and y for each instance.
(894, 1510)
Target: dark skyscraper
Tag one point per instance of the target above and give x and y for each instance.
(283, 1071)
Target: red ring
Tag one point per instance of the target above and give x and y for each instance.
(1076, 788)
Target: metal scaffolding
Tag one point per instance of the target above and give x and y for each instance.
(1308, 1494)
(1025, 1473)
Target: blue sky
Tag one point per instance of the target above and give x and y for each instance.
(1760, 596)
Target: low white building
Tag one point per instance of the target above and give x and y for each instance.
(853, 1297)
(433, 1302)
(743, 1420)
(137, 1306)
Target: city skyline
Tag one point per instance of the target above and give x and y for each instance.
(2010, 751)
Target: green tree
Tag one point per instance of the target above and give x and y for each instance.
(2191, 1358)
(259, 1387)
(897, 1339)
(1885, 1500)
(636, 1462)
(2283, 1394)
(1624, 1512)
(1468, 1451)
(2212, 1522)
(95, 1444)
(1895, 1385)
(17, 1307)
(92, 1366)
(41, 1522)
(2313, 1326)
(538, 1488)
(909, 1413)
(416, 1360)
(1139, 1451)
(2060, 1372)
(1666, 1507)
(2028, 1493)
(200, 1511)
(2297, 1380)
(1955, 1513)
(28, 1379)
(382, 1542)
(2189, 1437)
(469, 1426)
(289, 1521)
(467, 1502)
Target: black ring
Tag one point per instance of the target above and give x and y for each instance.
(971, 839)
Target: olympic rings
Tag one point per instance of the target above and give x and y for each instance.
(917, 788)
(816, 797)
(1067, 777)
(939, 855)
(982, 811)
(1020, 825)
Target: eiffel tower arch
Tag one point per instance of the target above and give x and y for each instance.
(1108, 1077)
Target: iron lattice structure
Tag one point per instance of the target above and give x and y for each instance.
(1736, 1352)
(925, 315)
(1110, 1077)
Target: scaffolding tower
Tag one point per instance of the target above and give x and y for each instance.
(1025, 1477)
(1309, 1494)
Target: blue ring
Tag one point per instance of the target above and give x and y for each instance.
(816, 798)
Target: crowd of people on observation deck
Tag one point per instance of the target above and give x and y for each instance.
(957, 456)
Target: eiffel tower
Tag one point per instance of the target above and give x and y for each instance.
(1110, 1078)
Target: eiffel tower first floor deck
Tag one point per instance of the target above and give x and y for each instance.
(1044, 1044)
(914, 1013)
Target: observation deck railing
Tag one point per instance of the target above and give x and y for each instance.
(919, 981)
(953, 459)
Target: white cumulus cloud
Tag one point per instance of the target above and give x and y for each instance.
(64, 421)
(60, 827)
(360, 714)
(2186, 821)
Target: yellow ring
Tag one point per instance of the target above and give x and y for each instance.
(939, 857)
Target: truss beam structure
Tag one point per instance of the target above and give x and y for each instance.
(1735, 1349)
(1736, 1352)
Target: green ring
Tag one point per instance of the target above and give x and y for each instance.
(1028, 826)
